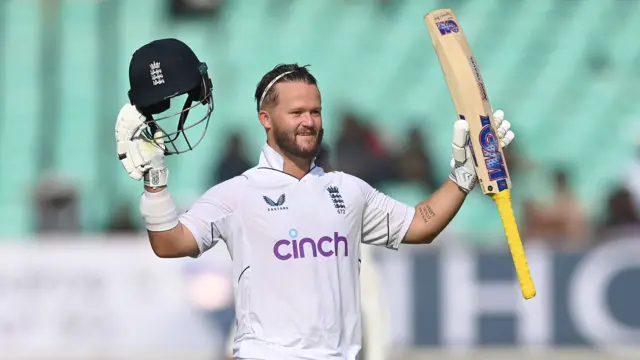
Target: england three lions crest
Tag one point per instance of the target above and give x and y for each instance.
(336, 198)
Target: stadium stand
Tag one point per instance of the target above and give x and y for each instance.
(551, 73)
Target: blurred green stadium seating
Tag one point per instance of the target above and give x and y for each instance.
(566, 72)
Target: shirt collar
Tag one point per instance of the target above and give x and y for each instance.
(270, 158)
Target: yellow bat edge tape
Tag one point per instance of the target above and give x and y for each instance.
(503, 202)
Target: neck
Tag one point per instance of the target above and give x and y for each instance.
(293, 165)
(296, 166)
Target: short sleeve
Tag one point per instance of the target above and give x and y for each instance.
(208, 218)
(385, 220)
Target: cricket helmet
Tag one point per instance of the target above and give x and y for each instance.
(160, 71)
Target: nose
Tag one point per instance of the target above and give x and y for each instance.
(307, 120)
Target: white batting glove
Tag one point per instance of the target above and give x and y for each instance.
(462, 171)
(139, 156)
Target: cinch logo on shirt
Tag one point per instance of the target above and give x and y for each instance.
(326, 246)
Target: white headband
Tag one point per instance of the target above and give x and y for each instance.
(266, 90)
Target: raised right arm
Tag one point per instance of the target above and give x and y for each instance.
(171, 235)
(168, 236)
(193, 232)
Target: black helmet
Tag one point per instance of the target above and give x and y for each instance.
(160, 71)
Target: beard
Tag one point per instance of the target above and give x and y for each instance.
(286, 141)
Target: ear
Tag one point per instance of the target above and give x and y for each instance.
(265, 119)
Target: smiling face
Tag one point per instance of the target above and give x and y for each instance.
(294, 121)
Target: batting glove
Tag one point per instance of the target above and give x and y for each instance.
(462, 171)
(140, 157)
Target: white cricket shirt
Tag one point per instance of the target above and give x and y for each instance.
(295, 246)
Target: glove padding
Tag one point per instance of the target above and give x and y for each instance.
(462, 171)
(139, 156)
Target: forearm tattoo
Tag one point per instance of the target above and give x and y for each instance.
(426, 212)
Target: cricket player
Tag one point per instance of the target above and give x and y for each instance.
(294, 231)
(376, 334)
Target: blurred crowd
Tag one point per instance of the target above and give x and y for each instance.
(562, 223)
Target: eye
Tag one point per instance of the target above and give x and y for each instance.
(296, 112)
(316, 112)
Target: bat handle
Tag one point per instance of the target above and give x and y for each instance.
(503, 202)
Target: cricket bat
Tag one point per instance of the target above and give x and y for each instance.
(470, 100)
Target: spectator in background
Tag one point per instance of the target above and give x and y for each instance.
(234, 161)
(353, 155)
(563, 223)
(534, 228)
(633, 177)
(518, 162)
(194, 8)
(56, 202)
(414, 162)
(323, 159)
(622, 216)
(362, 153)
(569, 214)
(121, 221)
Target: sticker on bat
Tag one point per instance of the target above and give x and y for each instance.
(476, 72)
(490, 144)
(447, 27)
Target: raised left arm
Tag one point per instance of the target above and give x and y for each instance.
(436, 212)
